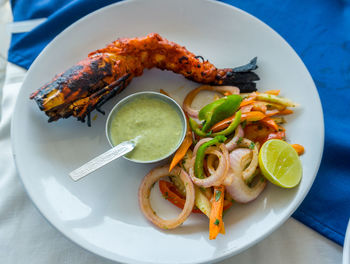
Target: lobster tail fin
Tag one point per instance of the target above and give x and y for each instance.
(248, 67)
(245, 81)
(241, 76)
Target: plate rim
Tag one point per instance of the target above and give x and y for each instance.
(88, 247)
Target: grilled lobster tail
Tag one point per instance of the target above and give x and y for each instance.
(105, 72)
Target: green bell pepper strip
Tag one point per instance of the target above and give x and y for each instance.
(219, 110)
(196, 129)
(231, 128)
(198, 163)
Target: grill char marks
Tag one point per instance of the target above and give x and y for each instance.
(79, 81)
(76, 83)
(107, 71)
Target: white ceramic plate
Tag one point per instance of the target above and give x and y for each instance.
(101, 212)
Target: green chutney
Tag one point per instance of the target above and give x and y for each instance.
(157, 123)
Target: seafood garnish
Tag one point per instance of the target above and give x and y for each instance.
(87, 85)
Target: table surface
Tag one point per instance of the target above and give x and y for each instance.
(26, 237)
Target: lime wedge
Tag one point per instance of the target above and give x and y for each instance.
(280, 163)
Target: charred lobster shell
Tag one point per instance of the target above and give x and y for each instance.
(87, 85)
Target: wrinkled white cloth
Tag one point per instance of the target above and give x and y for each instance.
(26, 237)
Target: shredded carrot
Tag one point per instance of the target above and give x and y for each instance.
(259, 106)
(222, 230)
(247, 101)
(222, 124)
(286, 112)
(298, 148)
(171, 193)
(217, 205)
(272, 112)
(268, 121)
(274, 92)
(182, 150)
(252, 116)
(279, 112)
(164, 92)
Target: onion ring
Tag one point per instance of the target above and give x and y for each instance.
(224, 90)
(219, 175)
(199, 143)
(238, 189)
(232, 144)
(229, 177)
(249, 171)
(145, 190)
(210, 165)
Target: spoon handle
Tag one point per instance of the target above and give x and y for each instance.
(96, 163)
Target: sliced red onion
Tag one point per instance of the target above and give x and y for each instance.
(144, 196)
(210, 164)
(191, 95)
(200, 143)
(238, 189)
(248, 173)
(226, 89)
(219, 175)
(229, 177)
(232, 144)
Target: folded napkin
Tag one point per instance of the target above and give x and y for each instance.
(319, 31)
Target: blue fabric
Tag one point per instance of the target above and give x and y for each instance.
(319, 31)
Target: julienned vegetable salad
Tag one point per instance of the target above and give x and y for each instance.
(217, 164)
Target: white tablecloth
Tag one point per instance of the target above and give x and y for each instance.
(26, 237)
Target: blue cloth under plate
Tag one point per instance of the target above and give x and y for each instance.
(319, 31)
